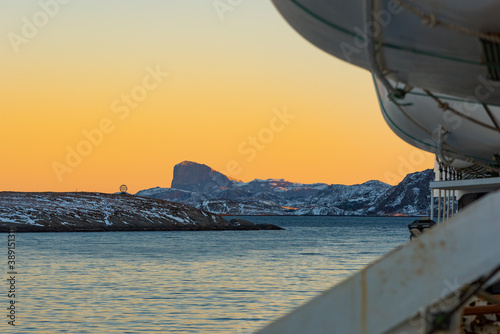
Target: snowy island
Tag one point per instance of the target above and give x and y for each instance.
(95, 212)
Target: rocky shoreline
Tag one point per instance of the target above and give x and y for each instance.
(98, 212)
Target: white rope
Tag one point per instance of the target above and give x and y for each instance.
(432, 21)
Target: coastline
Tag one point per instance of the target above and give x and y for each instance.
(98, 212)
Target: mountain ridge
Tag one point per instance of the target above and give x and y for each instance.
(206, 189)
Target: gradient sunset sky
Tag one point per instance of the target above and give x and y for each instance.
(171, 80)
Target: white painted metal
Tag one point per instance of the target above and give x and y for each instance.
(432, 204)
(418, 120)
(474, 185)
(389, 295)
(446, 204)
(408, 51)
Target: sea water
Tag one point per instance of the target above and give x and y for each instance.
(186, 282)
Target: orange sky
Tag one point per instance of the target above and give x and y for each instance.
(244, 94)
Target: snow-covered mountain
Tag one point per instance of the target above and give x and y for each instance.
(62, 212)
(411, 196)
(212, 191)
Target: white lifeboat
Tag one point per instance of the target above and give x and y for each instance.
(448, 46)
(461, 132)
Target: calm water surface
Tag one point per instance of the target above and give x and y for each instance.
(187, 282)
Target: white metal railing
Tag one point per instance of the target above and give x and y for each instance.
(444, 205)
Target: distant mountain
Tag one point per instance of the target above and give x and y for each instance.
(206, 189)
(75, 212)
(411, 196)
(196, 177)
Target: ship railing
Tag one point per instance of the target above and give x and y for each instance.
(446, 195)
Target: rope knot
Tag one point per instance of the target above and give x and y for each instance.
(398, 94)
(430, 20)
(444, 106)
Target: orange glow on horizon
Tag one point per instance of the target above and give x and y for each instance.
(88, 104)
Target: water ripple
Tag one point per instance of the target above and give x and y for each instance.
(164, 282)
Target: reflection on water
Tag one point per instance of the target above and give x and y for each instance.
(189, 282)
